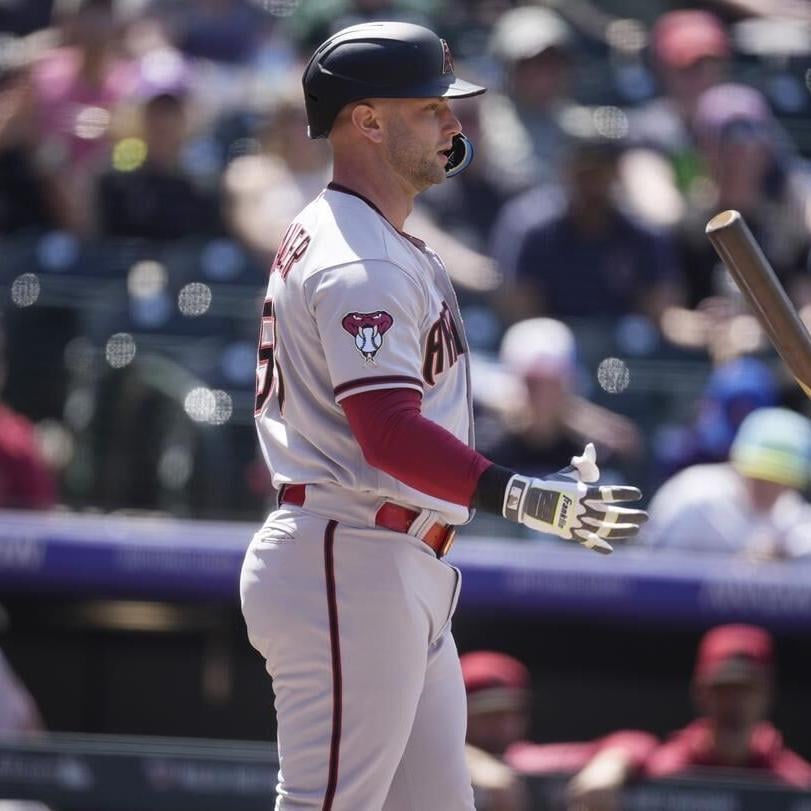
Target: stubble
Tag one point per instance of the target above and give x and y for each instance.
(418, 166)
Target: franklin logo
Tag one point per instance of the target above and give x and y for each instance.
(368, 330)
(564, 511)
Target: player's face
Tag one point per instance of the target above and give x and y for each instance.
(548, 397)
(736, 706)
(418, 133)
(496, 730)
(688, 83)
(764, 495)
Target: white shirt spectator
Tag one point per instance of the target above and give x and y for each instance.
(706, 508)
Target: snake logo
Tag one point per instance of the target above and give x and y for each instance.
(368, 330)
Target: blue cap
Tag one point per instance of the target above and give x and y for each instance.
(743, 377)
(734, 390)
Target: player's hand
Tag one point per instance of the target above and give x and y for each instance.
(598, 786)
(566, 506)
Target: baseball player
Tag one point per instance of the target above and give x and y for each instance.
(364, 417)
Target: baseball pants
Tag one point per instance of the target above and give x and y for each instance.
(354, 626)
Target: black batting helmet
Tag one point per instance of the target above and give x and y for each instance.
(389, 60)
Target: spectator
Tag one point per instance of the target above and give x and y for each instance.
(471, 32)
(750, 168)
(315, 20)
(157, 199)
(18, 710)
(79, 83)
(26, 483)
(264, 191)
(522, 135)
(543, 418)
(577, 254)
(690, 53)
(26, 194)
(734, 390)
(732, 688)
(751, 504)
(228, 31)
(18, 716)
(499, 704)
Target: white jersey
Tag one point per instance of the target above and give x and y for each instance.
(354, 305)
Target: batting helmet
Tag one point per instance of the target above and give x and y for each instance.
(389, 60)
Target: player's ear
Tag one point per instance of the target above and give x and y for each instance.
(366, 119)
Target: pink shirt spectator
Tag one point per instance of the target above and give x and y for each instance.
(548, 758)
(692, 747)
(74, 115)
(25, 481)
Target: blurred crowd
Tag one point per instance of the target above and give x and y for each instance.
(152, 153)
(732, 690)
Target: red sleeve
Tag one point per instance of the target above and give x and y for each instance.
(541, 758)
(681, 751)
(397, 439)
(637, 746)
(25, 480)
(549, 758)
(792, 769)
(670, 758)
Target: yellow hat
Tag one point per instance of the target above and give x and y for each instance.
(774, 444)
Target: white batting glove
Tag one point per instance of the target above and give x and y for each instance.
(564, 505)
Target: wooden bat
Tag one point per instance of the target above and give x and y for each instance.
(757, 280)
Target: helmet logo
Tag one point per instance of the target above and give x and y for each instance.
(447, 59)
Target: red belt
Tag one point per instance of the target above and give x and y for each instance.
(390, 516)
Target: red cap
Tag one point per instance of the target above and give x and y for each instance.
(494, 681)
(733, 653)
(681, 38)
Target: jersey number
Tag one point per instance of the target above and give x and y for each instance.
(267, 370)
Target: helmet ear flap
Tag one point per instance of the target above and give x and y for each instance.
(460, 157)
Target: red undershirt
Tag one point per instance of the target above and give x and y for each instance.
(397, 439)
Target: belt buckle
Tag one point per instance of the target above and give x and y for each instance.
(447, 543)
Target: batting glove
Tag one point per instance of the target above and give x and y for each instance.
(566, 506)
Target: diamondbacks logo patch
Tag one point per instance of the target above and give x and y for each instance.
(368, 330)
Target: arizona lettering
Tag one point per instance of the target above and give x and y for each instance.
(442, 346)
(294, 243)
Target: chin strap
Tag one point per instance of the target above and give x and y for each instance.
(460, 157)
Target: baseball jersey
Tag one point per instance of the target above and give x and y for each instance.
(354, 305)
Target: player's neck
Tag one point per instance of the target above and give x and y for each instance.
(385, 193)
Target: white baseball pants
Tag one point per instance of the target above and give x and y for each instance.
(354, 625)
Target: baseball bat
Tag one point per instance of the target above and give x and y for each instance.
(734, 243)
